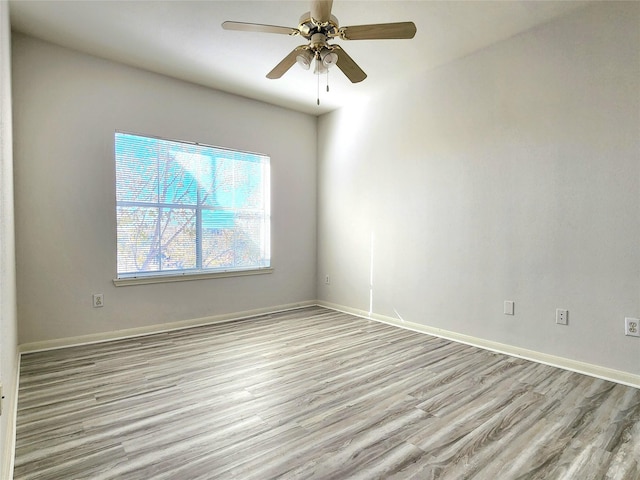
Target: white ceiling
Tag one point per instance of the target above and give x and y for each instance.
(184, 39)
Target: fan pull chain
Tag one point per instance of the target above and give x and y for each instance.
(327, 80)
(318, 90)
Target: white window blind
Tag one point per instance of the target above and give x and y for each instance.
(189, 208)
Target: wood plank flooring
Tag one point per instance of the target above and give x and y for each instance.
(315, 394)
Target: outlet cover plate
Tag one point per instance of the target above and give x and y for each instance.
(98, 300)
(632, 327)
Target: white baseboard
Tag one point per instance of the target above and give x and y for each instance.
(10, 408)
(624, 378)
(597, 371)
(158, 328)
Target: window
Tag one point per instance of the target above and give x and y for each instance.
(186, 208)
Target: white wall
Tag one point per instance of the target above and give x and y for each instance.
(511, 174)
(67, 107)
(8, 315)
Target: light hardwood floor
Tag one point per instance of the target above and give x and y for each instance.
(314, 393)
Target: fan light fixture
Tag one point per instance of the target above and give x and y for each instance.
(329, 58)
(304, 59)
(319, 67)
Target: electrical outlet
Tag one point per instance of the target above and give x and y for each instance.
(98, 300)
(632, 327)
(509, 307)
(327, 280)
(562, 316)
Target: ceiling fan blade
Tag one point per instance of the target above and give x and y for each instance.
(286, 63)
(348, 66)
(258, 27)
(379, 31)
(321, 10)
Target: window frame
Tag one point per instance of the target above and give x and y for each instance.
(197, 272)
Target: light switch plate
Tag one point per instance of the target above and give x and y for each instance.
(509, 307)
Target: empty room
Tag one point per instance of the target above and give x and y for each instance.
(319, 240)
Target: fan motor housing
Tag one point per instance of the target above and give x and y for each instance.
(308, 27)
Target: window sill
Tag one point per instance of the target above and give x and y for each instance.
(186, 277)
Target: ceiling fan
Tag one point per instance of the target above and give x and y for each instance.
(318, 26)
